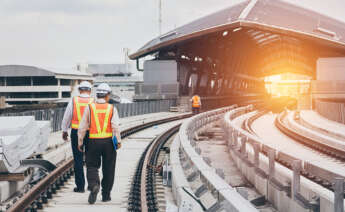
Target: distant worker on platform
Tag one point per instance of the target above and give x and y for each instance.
(196, 104)
(102, 120)
(72, 117)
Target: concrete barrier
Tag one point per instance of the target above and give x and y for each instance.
(283, 187)
(225, 197)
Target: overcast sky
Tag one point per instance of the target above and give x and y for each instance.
(61, 33)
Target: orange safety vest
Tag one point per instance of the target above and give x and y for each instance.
(195, 101)
(100, 122)
(79, 105)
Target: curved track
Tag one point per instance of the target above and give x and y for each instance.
(142, 195)
(273, 137)
(327, 149)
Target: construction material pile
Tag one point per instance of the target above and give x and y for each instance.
(20, 138)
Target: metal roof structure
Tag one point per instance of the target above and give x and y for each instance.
(28, 71)
(263, 23)
(268, 21)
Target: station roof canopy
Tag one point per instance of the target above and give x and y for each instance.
(32, 71)
(266, 18)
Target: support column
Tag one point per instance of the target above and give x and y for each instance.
(339, 195)
(59, 89)
(295, 188)
(256, 147)
(271, 157)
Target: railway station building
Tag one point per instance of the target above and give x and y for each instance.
(225, 56)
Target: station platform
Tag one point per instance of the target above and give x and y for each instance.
(127, 158)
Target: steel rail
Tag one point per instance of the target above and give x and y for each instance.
(247, 124)
(326, 183)
(307, 141)
(142, 195)
(43, 190)
(148, 196)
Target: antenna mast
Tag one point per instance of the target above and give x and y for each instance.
(160, 16)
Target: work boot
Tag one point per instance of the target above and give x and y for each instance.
(93, 194)
(78, 190)
(106, 198)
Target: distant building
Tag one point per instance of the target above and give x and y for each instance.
(21, 84)
(119, 77)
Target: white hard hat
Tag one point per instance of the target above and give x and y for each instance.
(103, 88)
(85, 85)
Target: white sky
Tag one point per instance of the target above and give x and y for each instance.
(61, 33)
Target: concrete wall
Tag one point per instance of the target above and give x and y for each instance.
(160, 71)
(334, 111)
(332, 68)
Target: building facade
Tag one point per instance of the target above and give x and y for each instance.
(120, 78)
(28, 84)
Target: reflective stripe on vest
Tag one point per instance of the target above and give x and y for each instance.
(79, 105)
(195, 101)
(100, 121)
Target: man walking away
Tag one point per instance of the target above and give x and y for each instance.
(196, 104)
(101, 118)
(72, 117)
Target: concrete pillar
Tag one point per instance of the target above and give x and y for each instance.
(243, 145)
(59, 89)
(295, 188)
(339, 195)
(271, 165)
(256, 148)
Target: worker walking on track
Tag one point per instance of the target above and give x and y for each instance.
(72, 117)
(196, 104)
(101, 118)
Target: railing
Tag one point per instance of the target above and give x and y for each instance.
(238, 139)
(320, 87)
(184, 148)
(55, 115)
(171, 89)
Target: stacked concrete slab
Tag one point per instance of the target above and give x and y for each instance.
(21, 137)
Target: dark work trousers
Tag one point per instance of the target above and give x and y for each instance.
(196, 110)
(78, 159)
(101, 151)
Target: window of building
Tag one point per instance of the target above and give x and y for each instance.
(43, 81)
(65, 82)
(2, 81)
(66, 94)
(114, 75)
(18, 81)
(46, 95)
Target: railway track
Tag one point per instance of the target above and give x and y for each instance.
(319, 167)
(40, 193)
(314, 152)
(328, 149)
(142, 195)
